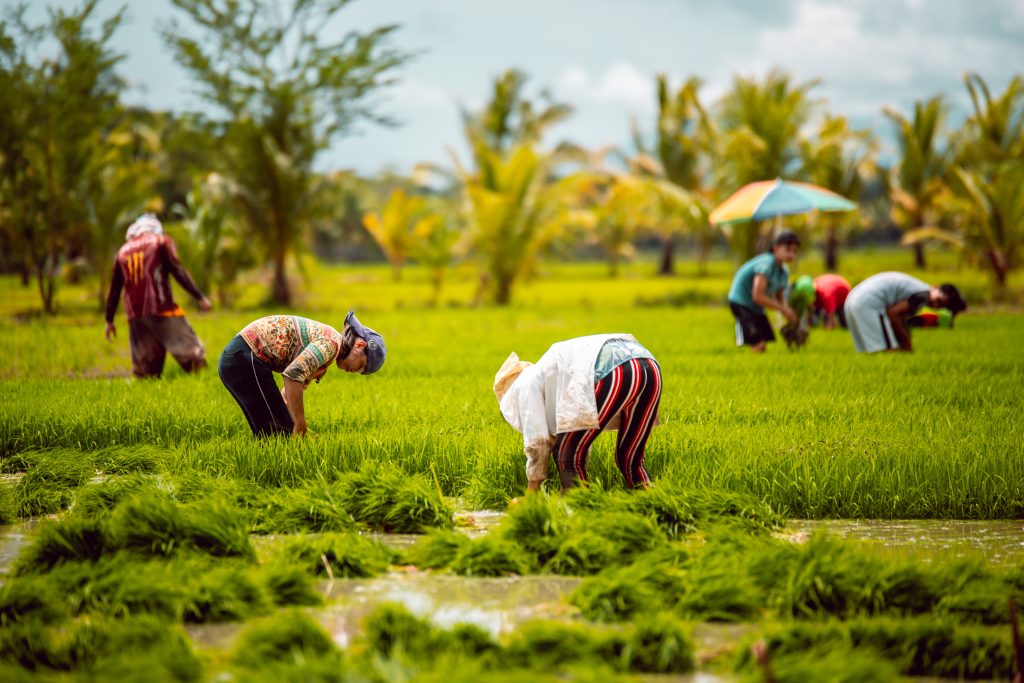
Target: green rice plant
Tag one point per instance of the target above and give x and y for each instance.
(224, 593)
(100, 498)
(30, 598)
(492, 556)
(719, 588)
(48, 485)
(348, 555)
(620, 593)
(121, 586)
(286, 638)
(316, 507)
(417, 507)
(581, 554)
(539, 524)
(836, 665)
(150, 525)
(8, 503)
(142, 459)
(68, 540)
(101, 646)
(287, 584)
(630, 533)
(659, 643)
(215, 528)
(553, 646)
(392, 630)
(436, 550)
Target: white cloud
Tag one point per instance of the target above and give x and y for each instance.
(620, 84)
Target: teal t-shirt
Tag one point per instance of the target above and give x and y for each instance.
(743, 284)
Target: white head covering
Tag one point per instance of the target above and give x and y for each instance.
(508, 373)
(147, 222)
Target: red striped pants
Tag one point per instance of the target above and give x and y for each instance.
(633, 391)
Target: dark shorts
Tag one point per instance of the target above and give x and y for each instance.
(751, 327)
(152, 337)
(251, 383)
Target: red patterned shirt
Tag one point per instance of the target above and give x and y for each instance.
(296, 347)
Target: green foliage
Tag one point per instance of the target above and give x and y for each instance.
(491, 556)
(70, 540)
(288, 637)
(288, 584)
(437, 549)
(49, 483)
(348, 555)
(392, 630)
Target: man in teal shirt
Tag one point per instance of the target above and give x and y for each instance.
(760, 283)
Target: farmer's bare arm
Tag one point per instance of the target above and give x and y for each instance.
(762, 299)
(292, 393)
(896, 313)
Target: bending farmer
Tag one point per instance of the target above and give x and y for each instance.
(156, 324)
(300, 349)
(760, 283)
(577, 389)
(876, 309)
(830, 292)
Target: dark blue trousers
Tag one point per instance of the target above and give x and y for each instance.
(251, 383)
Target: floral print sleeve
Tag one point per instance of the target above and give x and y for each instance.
(316, 354)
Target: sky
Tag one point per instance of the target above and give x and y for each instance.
(601, 57)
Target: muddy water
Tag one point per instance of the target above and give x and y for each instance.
(1000, 543)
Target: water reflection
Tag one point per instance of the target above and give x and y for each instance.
(1000, 542)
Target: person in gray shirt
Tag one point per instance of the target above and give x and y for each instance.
(876, 309)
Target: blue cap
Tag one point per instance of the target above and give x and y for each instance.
(375, 349)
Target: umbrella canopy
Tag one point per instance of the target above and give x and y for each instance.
(773, 198)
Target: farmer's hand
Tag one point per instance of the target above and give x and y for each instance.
(110, 332)
(205, 305)
(789, 313)
(299, 429)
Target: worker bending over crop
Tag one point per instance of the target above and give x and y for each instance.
(577, 389)
(300, 349)
(761, 283)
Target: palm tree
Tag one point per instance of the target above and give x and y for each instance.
(919, 180)
(760, 124)
(285, 95)
(683, 141)
(841, 160)
(396, 228)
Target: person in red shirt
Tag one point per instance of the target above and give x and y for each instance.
(830, 292)
(156, 324)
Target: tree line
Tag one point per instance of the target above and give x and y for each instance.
(239, 186)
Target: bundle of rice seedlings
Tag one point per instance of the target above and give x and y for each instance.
(287, 637)
(618, 594)
(8, 504)
(836, 665)
(581, 554)
(30, 598)
(69, 540)
(436, 550)
(138, 458)
(121, 586)
(659, 643)
(48, 485)
(670, 506)
(215, 528)
(630, 533)
(224, 593)
(719, 588)
(348, 555)
(492, 556)
(98, 499)
(539, 524)
(417, 506)
(318, 506)
(393, 630)
(287, 584)
(368, 494)
(719, 505)
(151, 525)
(555, 645)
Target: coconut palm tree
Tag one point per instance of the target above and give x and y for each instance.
(760, 123)
(842, 160)
(680, 154)
(919, 179)
(398, 226)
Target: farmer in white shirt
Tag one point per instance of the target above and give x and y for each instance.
(577, 389)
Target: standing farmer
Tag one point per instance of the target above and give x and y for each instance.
(877, 308)
(156, 324)
(577, 389)
(300, 349)
(760, 283)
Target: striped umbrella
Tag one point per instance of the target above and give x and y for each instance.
(774, 198)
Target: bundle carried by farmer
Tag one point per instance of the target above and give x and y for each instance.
(579, 388)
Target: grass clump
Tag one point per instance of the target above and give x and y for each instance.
(492, 555)
(225, 593)
(659, 643)
(620, 593)
(8, 503)
(288, 584)
(316, 507)
(287, 638)
(69, 540)
(135, 459)
(158, 526)
(436, 550)
(349, 555)
(385, 498)
(392, 630)
(50, 481)
(100, 498)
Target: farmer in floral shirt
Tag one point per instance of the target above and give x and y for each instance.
(300, 349)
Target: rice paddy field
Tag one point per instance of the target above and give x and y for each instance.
(148, 536)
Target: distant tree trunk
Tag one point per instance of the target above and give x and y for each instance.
(280, 292)
(999, 267)
(26, 273)
(503, 290)
(919, 260)
(667, 266)
(613, 263)
(396, 270)
(831, 250)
